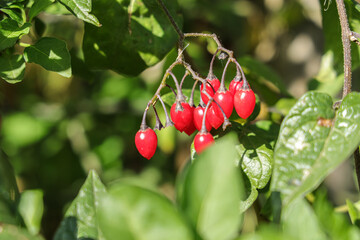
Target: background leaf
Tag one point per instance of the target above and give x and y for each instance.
(12, 68)
(313, 141)
(81, 218)
(10, 32)
(137, 213)
(133, 36)
(82, 9)
(51, 54)
(15, 233)
(210, 200)
(31, 208)
(37, 7)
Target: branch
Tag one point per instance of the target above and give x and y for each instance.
(171, 19)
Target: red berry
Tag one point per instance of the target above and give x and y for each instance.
(182, 119)
(202, 141)
(191, 127)
(146, 142)
(244, 102)
(226, 101)
(214, 119)
(235, 86)
(198, 118)
(215, 83)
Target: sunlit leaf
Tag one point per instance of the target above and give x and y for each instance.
(12, 68)
(82, 9)
(10, 32)
(31, 208)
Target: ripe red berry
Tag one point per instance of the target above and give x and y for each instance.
(226, 101)
(214, 119)
(202, 141)
(198, 118)
(191, 127)
(182, 119)
(146, 142)
(235, 86)
(244, 102)
(215, 83)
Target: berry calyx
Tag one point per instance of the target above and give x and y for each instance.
(244, 101)
(202, 141)
(215, 83)
(182, 118)
(226, 101)
(146, 142)
(214, 119)
(198, 118)
(235, 86)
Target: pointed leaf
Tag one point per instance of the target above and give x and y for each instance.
(51, 54)
(313, 141)
(131, 212)
(37, 7)
(31, 208)
(134, 35)
(12, 68)
(10, 32)
(81, 9)
(209, 199)
(81, 218)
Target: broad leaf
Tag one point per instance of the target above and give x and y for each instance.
(51, 54)
(9, 193)
(12, 68)
(82, 9)
(10, 32)
(134, 35)
(31, 208)
(37, 7)
(130, 212)
(209, 199)
(313, 141)
(11, 232)
(300, 222)
(81, 218)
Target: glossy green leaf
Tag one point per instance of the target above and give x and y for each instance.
(134, 35)
(313, 141)
(300, 222)
(10, 32)
(210, 200)
(31, 208)
(81, 218)
(137, 213)
(51, 54)
(16, 12)
(11, 232)
(12, 68)
(169, 98)
(354, 213)
(82, 9)
(37, 7)
(9, 193)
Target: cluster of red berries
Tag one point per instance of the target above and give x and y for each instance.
(215, 107)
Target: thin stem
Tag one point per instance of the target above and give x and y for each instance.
(222, 84)
(226, 120)
(158, 124)
(143, 125)
(183, 79)
(168, 119)
(171, 19)
(211, 75)
(180, 96)
(171, 89)
(203, 124)
(345, 37)
(191, 100)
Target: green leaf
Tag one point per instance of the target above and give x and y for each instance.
(300, 222)
(353, 212)
(313, 141)
(37, 7)
(15, 233)
(51, 54)
(12, 68)
(16, 12)
(9, 193)
(31, 208)
(10, 32)
(134, 35)
(81, 218)
(210, 200)
(131, 212)
(284, 105)
(82, 9)
(169, 98)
